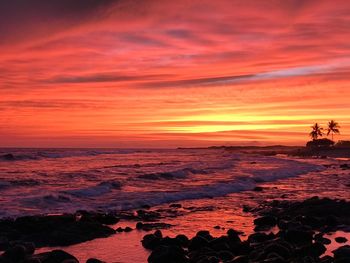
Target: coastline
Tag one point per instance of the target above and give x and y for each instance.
(220, 214)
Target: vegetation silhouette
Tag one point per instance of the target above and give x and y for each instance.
(333, 128)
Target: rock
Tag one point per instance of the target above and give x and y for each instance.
(56, 256)
(198, 242)
(265, 222)
(60, 230)
(314, 250)
(151, 241)
(240, 259)
(225, 255)
(16, 253)
(297, 236)
(94, 260)
(342, 252)
(171, 254)
(260, 237)
(151, 226)
(183, 240)
(119, 229)
(341, 240)
(278, 249)
(217, 227)
(326, 259)
(233, 236)
(128, 229)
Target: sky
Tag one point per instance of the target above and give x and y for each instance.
(153, 73)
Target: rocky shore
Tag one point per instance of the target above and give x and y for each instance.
(285, 231)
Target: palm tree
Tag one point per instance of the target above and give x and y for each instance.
(333, 127)
(316, 131)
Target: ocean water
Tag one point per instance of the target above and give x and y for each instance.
(41, 181)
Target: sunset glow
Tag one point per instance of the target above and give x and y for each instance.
(172, 73)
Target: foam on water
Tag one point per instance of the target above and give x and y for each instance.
(70, 180)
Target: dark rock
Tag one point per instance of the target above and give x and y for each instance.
(342, 252)
(183, 240)
(225, 255)
(297, 236)
(314, 250)
(233, 236)
(278, 249)
(265, 222)
(151, 226)
(172, 254)
(128, 229)
(94, 260)
(151, 241)
(326, 259)
(56, 256)
(119, 229)
(260, 237)
(198, 242)
(240, 259)
(16, 253)
(341, 240)
(59, 230)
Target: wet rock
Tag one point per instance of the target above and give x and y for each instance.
(225, 255)
(151, 226)
(341, 240)
(297, 236)
(314, 250)
(260, 237)
(56, 256)
(59, 230)
(183, 240)
(151, 241)
(265, 222)
(94, 260)
(326, 259)
(16, 253)
(198, 242)
(240, 259)
(128, 229)
(342, 252)
(171, 254)
(279, 249)
(233, 236)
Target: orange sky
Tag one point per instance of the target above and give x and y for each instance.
(154, 73)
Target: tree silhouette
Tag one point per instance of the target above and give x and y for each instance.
(316, 131)
(333, 128)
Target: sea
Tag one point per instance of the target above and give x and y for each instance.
(216, 183)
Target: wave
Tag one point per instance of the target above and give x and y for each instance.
(21, 155)
(94, 191)
(177, 174)
(5, 184)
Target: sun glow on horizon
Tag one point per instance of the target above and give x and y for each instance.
(166, 74)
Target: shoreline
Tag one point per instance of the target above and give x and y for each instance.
(175, 219)
(301, 228)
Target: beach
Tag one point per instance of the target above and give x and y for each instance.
(246, 182)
